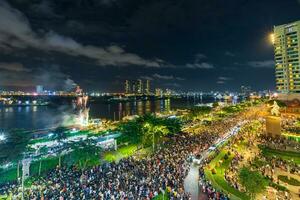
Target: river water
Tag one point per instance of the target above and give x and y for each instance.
(40, 117)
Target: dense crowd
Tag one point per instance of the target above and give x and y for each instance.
(281, 143)
(128, 179)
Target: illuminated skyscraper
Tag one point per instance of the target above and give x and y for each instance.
(147, 89)
(158, 92)
(39, 89)
(127, 87)
(287, 57)
(139, 89)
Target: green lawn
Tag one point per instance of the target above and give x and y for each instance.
(162, 197)
(218, 179)
(285, 155)
(290, 181)
(5, 197)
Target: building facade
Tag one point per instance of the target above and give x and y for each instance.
(287, 57)
(137, 87)
(127, 87)
(39, 89)
(147, 88)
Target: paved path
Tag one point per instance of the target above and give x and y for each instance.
(191, 182)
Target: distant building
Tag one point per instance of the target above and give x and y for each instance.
(127, 87)
(245, 90)
(286, 41)
(39, 89)
(134, 87)
(139, 89)
(158, 92)
(168, 92)
(147, 89)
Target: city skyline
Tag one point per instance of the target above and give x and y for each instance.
(58, 44)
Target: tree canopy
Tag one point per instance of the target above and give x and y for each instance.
(141, 129)
(253, 181)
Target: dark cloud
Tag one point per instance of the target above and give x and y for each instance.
(198, 62)
(230, 54)
(167, 77)
(262, 64)
(44, 8)
(203, 65)
(199, 40)
(51, 76)
(173, 85)
(223, 79)
(16, 32)
(14, 67)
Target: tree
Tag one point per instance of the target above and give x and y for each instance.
(133, 130)
(60, 134)
(86, 153)
(253, 181)
(149, 129)
(154, 132)
(14, 146)
(215, 104)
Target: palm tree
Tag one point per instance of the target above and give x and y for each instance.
(60, 135)
(86, 153)
(154, 131)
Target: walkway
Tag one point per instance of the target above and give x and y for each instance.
(191, 182)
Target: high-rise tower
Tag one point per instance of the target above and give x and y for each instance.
(287, 56)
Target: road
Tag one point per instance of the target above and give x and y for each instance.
(191, 182)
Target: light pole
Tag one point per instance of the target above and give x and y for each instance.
(153, 145)
(25, 172)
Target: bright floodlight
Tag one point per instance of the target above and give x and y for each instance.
(2, 137)
(272, 38)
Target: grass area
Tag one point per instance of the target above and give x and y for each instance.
(122, 152)
(285, 155)
(217, 178)
(162, 197)
(290, 181)
(5, 197)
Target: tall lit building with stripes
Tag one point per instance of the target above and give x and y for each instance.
(287, 57)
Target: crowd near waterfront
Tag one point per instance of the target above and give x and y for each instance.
(132, 178)
(164, 170)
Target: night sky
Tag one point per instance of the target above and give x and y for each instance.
(186, 45)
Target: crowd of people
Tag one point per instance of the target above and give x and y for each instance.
(165, 170)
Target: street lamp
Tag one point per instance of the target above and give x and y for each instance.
(272, 38)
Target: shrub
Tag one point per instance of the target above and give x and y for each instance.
(290, 181)
(278, 187)
(225, 157)
(213, 171)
